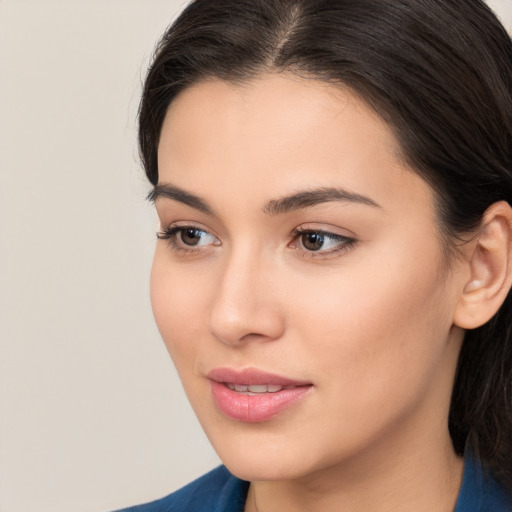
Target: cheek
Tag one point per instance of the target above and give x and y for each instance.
(178, 307)
(378, 330)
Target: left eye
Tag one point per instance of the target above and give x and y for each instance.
(321, 241)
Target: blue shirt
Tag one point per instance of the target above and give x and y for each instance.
(220, 491)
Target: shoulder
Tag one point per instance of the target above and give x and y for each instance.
(216, 491)
(481, 492)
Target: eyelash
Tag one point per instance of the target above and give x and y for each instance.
(345, 243)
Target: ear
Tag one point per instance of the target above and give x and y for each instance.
(490, 269)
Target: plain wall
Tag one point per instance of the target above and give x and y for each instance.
(92, 416)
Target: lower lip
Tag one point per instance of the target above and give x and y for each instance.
(255, 408)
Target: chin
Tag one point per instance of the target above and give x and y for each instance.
(263, 470)
(264, 456)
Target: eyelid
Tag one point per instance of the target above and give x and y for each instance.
(186, 224)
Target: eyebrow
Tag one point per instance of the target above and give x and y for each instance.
(168, 191)
(297, 201)
(309, 198)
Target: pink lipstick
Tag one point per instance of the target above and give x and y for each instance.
(252, 395)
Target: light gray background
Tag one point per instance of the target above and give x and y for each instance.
(92, 416)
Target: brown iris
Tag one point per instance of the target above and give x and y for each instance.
(312, 241)
(190, 236)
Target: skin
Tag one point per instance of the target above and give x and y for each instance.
(370, 323)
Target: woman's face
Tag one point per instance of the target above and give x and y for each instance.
(300, 257)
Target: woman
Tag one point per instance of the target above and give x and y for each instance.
(331, 277)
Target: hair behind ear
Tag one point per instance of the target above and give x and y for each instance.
(481, 410)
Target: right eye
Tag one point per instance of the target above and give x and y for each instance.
(187, 237)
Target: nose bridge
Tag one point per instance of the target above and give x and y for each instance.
(245, 305)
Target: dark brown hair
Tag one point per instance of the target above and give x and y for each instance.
(440, 73)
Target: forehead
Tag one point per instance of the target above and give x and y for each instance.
(267, 106)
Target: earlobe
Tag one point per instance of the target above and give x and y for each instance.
(490, 269)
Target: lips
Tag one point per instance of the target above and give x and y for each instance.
(254, 396)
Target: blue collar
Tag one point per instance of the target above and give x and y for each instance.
(480, 492)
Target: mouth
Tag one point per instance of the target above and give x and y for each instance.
(254, 396)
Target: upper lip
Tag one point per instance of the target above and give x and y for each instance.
(252, 377)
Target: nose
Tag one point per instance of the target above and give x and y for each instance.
(246, 306)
